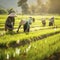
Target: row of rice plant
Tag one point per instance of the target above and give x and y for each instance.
(38, 50)
(37, 18)
(7, 37)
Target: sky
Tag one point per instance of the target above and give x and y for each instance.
(13, 4)
(10, 4)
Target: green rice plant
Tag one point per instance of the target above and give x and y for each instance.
(37, 22)
(38, 50)
(7, 38)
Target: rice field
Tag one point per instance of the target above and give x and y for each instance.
(39, 44)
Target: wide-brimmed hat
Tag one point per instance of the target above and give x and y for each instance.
(12, 15)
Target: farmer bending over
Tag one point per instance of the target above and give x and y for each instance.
(26, 24)
(9, 24)
(51, 21)
(43, 22)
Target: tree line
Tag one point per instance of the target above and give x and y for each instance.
(49, 7)
(6, 11)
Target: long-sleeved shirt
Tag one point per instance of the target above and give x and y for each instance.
(22, 22)
(10, 21)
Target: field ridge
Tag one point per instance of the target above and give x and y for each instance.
(27, 41)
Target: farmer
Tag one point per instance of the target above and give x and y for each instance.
(43, 22)
(26, 24)
(10, 21)
(51, 21)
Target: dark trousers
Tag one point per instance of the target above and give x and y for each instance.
(8, 27)
(50, 24)
(44, 24)
(26, 27)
